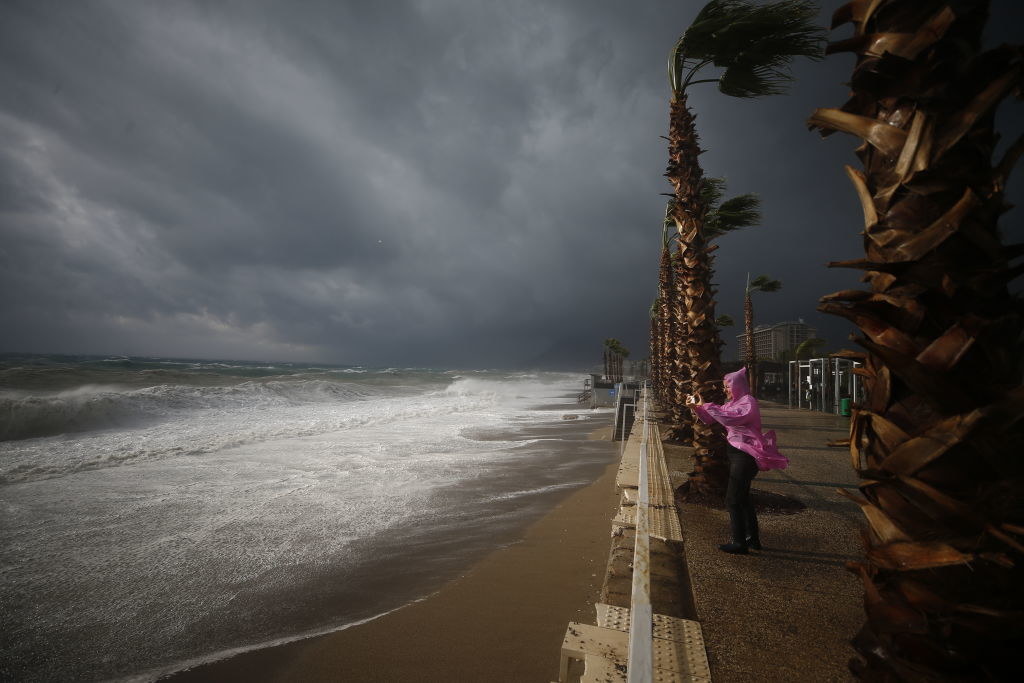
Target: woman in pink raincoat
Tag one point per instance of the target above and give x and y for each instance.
(749, 450)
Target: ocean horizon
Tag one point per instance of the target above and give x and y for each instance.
(159, 512)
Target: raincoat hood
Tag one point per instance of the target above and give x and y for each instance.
(737, 383)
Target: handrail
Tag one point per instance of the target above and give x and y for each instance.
(640, 665)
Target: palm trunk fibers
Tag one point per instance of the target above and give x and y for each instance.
(750, 355)
(700, 346)
(938, 441)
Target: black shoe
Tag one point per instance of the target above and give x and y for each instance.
(734, 548)
(753, 543)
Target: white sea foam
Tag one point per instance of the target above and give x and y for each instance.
(537, 491)
(191, 420)
(90, 406)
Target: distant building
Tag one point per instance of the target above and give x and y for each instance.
(770, 341)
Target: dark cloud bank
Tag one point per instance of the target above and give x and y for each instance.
(434, 182)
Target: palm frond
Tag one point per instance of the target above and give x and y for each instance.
(668, 228)
(763, 283)
(754, 43)
(699, 41)
(712, 228)
(809, 346)
(712, 190)
(721, 217)
(724, 321)
(748, 81)
(743, 211)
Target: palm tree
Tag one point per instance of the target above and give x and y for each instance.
(938, 439)
(668, 320)
(721, 218)
(654, 350)
(754, 44)
(607, 358)
(622, 353)
(807, 348)
(761, 283)
(614, 354)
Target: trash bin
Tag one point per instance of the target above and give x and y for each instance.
(844, 406)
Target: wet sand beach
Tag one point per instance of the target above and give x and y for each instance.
(502, 620)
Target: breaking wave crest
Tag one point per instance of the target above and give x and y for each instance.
(92, 407)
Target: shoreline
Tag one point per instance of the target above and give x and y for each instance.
(501, 619)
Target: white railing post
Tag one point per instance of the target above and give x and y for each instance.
(640, 666)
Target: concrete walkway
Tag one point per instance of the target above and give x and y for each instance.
(788, 612)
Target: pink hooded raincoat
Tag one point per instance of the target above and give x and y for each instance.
(742, 420)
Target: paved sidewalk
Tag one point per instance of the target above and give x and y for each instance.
(788, 612)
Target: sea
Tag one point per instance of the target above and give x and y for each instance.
(159, 513)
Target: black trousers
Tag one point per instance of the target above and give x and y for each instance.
(742, 518)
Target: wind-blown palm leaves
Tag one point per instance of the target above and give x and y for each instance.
(723, 217)
(938, 440)
(761, 283)
(807, 348)
(754, 44)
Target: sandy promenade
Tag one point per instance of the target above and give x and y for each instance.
(503, 620)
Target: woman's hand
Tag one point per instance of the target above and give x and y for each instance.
(694, 400)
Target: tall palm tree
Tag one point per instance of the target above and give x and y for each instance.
(754, 45)
(761, 283)
(938, 439)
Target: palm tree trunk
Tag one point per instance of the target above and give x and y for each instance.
(653, 351)
(938, 441)
(702, 346)
(664, 317)
(679, 375)
(748, 329)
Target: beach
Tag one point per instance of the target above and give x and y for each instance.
(502, 620)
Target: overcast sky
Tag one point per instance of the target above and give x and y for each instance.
(441, 182)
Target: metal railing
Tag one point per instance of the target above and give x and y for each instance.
(821, 383)
(640, 665)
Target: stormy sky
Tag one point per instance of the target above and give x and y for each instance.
(432, 182)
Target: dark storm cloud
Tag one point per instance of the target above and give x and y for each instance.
(390, 182)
